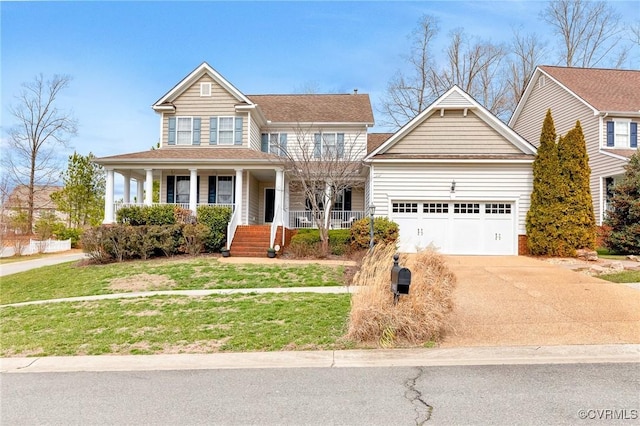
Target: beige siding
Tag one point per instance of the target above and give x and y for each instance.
(566, 109)
(299, 140)
(297, 199)
(191, 104)
(254, 200)
(254, 143)
(404, 181)
(453, 133)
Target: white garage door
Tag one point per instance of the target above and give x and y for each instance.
(456, 227)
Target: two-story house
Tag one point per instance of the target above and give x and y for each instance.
(607, 104)
(219, 146)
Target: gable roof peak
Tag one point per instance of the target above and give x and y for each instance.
(192, 77)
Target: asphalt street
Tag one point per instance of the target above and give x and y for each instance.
(496, 394)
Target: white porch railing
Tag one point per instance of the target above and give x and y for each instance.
(231, 228)
(339, 219)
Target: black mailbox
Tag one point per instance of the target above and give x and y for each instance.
(400, 279)
(404, 281)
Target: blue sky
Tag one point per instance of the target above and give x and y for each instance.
(123, 56)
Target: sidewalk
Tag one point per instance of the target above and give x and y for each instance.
(578, 354)
(26, 265)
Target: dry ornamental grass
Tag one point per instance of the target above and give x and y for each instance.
(418, 318)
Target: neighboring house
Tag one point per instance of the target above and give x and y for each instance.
(455, 177)
(42, 204)
(607, 104)
(221, 147)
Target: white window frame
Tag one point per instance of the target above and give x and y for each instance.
(233, 130)
(324, 146)
(178, 118)
(274, 148)
(181, 178)
(205, 90)
(617, 143)
(227, 178)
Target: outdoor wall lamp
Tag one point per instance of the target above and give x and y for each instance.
(400, 279)
(453, 186)
(372, 212)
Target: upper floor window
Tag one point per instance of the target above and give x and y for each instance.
(274, 143)
(184, 131)
(225, 130)
(328, 145)
(622, 134)
(205, 89)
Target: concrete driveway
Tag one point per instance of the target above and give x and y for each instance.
(517, 300)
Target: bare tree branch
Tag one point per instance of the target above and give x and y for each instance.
(40, 131)
(589, 31)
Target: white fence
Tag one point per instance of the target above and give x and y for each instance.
(34, 247)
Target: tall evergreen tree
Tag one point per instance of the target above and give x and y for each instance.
(578, 224)
(542, 218)
(83, 195)
(624, 212)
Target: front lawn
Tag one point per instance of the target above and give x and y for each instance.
(622, 277)
(70, 280)
(177, 324)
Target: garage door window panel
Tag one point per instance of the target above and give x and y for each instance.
(435, 208)
(466, 208)
(497, 208)
(404, 207)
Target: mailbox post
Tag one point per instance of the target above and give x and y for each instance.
(400, 279)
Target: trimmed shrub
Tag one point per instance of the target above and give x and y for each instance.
(93, 244)
(157, 214)
(385, 231)
(216, 219)
(306, 242)
(194, 236)
(133, 215)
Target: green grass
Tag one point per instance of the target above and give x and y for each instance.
(604, 253)
(164, 324)
(622, 277)
(71, 280)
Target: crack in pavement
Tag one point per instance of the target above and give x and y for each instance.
(414, 396)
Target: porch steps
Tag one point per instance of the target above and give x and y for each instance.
(252, 240)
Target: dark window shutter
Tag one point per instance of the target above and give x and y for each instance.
(633, 141)
(171, 183)
(317, 145)
(340, 145)
(347, 200)
(609, 133)
(264, 142)
(196, 131)
(238, 132)
(213, 131)
(283, 144)
(172, 131)
(198, 190)
(212, 190)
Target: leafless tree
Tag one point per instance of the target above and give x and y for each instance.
(527, 51)
(321, 166)
(477, 67)
(35, 140)
(589, 33)
(409, 95)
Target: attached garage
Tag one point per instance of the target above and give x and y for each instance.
(457, 227)
(455, 178)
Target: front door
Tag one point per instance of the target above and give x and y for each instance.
(269, 204)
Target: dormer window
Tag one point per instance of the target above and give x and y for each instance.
(622, 133)
(205, 89)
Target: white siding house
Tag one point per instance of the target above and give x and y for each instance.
(456, 179)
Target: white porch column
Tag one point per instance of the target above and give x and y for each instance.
(126, 196)
(193, 190)
(239, 196)
(279, 196)
(148, 187)
(108, 199)
(140, 191)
